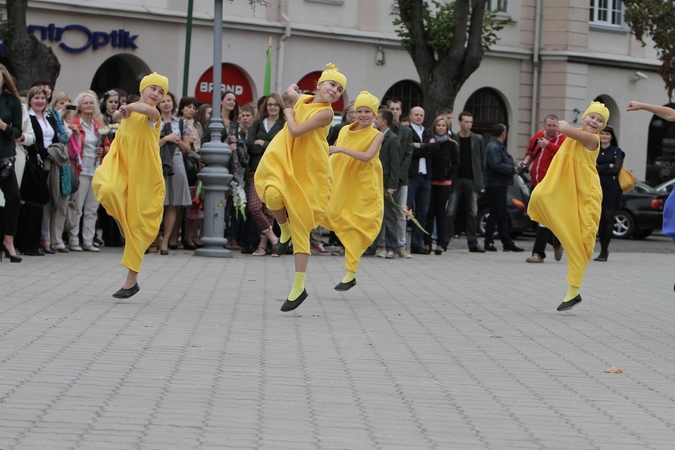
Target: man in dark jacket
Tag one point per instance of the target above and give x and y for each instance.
(499, 171)
(405, 137)
(469, 181)
(391, 166)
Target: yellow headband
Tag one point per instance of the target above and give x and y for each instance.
(155, 79)
(333, 74)
(598, 108)
(368, 100)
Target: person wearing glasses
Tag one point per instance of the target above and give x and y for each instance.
(260, 134)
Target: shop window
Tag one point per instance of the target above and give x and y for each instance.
(487, 108)
(606, 12)
(408, 92)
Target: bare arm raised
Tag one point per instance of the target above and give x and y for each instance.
(361, 156)
(142, 108)
(663, 112)
(590, 140)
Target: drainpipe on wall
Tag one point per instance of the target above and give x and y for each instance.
(282, 45)
(536, 68)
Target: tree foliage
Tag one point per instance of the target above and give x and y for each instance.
(655, 19)
(447, 41)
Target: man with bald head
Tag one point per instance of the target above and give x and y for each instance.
(419, 180)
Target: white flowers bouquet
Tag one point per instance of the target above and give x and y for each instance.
(239, 199)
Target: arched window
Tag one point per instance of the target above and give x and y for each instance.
(487, 108)
(122, 71)
(408, 92)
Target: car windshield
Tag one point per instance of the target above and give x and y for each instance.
(667, 186)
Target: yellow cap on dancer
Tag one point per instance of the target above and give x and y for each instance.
(598, 108)
(155, 79)
(368, 100)
(333, 74)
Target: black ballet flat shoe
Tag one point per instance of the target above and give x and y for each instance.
(173, 247)
(164, 252)
(280, 248)
(189, 247)
(345, 286)
(566, 306)
(438, 252)
(291, 305)
(602, 257)
(126, 293)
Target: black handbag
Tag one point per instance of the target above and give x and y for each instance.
(191, 162)
(34, 189)
(6, 167)
(166, 151)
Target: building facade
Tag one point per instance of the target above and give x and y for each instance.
(554, 57)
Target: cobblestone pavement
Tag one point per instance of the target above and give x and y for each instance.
(459, 351)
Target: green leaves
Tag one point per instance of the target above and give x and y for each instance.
(438, 21)
(655, 19)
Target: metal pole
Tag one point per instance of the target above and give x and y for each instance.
(215, 177)
(188, 44)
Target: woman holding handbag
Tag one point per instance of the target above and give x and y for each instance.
(608, 164)
(33, 238)
(10, 130)
(175, 134)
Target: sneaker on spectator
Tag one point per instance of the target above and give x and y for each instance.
(403, 253)
(75, 248)
(391, 255)
(339, 251)
(91, 248)
(319, 250)
(381, 253)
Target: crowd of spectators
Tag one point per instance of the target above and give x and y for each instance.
(60, 142)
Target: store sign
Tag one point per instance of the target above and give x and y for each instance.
(81, 34)
(232, 79)
(307, 85)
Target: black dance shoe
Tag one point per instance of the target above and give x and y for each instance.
(345, 286)
(126, 293)
(280, 248)
(566, 306)
(291, 305)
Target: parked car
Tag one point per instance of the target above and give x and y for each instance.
(641, 213)
(517, 199)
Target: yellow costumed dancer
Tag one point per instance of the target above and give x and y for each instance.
(294, 176)
(356, 204)
(568, 200)
(129, 183)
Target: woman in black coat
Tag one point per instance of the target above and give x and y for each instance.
(10, 130)
(32, 226)
(609, 163)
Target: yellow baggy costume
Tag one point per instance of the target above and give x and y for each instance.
(568, 202)
(130, 186)
(356, 204)
(295, 173)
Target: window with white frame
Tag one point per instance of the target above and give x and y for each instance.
(496, 5)
(606, 12)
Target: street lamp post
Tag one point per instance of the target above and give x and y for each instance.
(215, 177)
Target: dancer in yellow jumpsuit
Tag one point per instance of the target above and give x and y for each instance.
(568, 200)
(294, 176)
(129, 183)
(356, 205)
